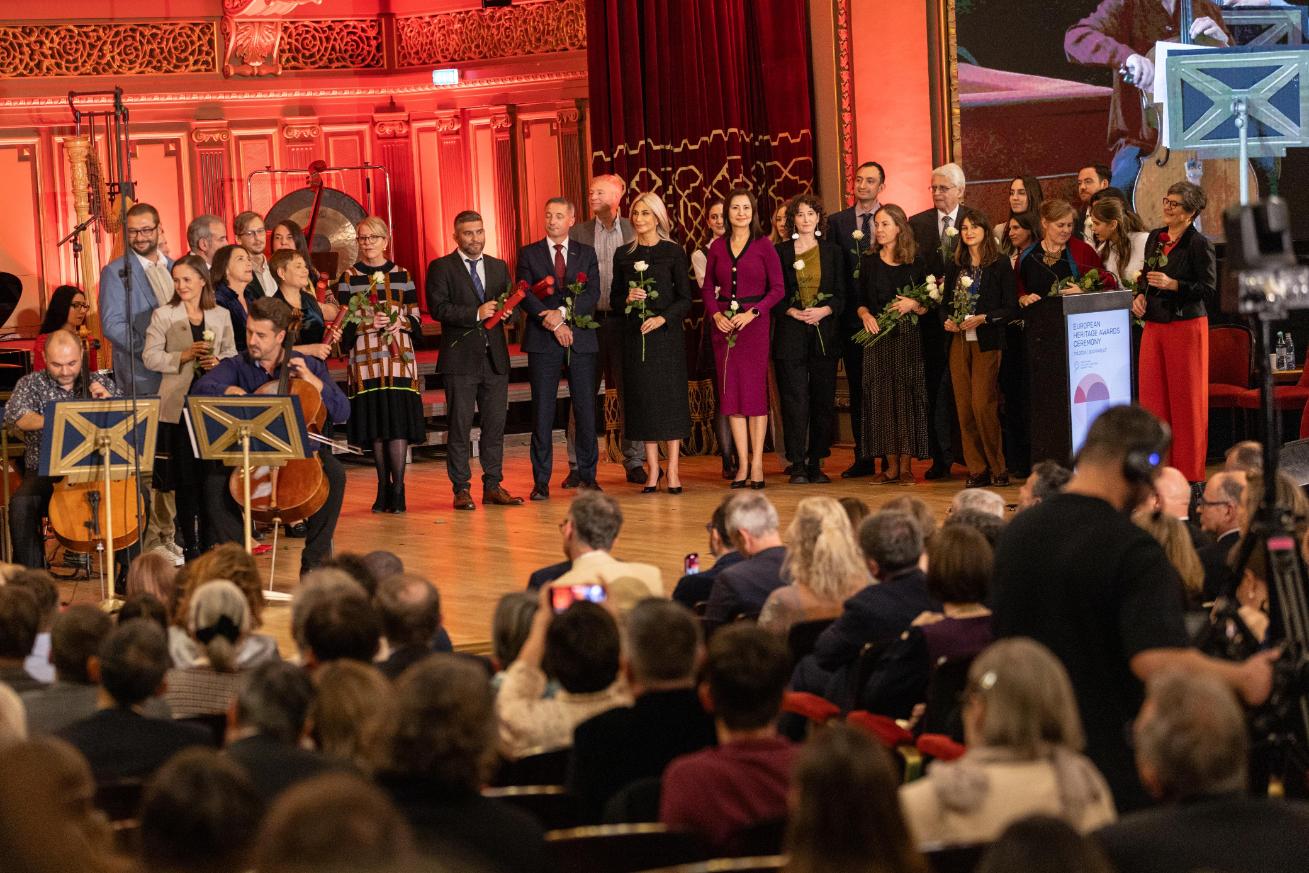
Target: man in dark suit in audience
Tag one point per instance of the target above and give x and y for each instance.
(267, 722)
(553, 343)
(740, 590)
(1222, 512)
(118, 741)
(474, 360)
(547, 574)
(936, 231)
(410, 609)
(694, 588)
(75, 640)
(852, 228)
(20, 619)
(1191, 754)
(618, 747)
(892, 543)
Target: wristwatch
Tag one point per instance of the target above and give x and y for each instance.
(754, 310)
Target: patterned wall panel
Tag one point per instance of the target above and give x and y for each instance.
(254, 151)
(476, 34)
(141, 48)
(342, 44)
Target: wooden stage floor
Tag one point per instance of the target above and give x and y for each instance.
(475, 557)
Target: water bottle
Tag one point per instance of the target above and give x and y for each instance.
(1290, 352)
(1279, 352)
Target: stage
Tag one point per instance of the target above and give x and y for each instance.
(475, 557)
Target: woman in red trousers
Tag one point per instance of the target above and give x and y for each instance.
(1181, 274)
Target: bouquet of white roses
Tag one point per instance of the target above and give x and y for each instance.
(963, 303)
(927, 294)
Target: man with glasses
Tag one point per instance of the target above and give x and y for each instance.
(252, 235)
(144, 273)
(1222, 512)
(936, 231)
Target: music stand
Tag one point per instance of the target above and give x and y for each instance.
(250, 430)
(1266, 25)
(112, 440)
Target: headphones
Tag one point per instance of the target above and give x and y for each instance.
(1142, 462)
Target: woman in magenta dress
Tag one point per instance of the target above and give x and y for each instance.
(742, 283)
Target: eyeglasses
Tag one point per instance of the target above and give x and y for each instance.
(142, 231)
(253, 231)
(940, 189)
(370, 239)
(80, 306)
(1170, 203)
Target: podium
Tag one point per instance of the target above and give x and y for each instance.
(1080, 355)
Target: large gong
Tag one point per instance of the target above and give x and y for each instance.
(333, 246)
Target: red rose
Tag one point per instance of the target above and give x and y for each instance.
(581, 277)
(1164, 237)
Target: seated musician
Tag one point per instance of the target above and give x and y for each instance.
(62, 379)
(265, 332)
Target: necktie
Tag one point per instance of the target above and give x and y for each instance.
(477, 280)
(945, 225)
(161, 282)
(866, 222)
(560, 266)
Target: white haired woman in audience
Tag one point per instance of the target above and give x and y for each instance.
(1024, 738)
(822, 563)
(217, 621)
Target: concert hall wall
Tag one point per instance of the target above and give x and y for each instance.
(219, 88)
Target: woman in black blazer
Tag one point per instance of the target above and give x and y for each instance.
(982, 272)
(806, 340)
(1174, 362)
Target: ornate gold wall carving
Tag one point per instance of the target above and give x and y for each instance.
(476, 34)
(343, 44)
(144, 48)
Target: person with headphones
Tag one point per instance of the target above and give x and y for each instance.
(1075, 574)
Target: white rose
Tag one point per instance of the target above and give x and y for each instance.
(1137, 277)
(208, 335)
(966, 282)
(799, 264)
(641, 266)
(857, 235)
(951, 231)
(931, 282)
(935, 294)
(735, 306)
(379, 277)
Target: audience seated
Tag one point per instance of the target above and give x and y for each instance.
(744, 780)
(352, 715)
(383, 564)
(988, 525)
(342, 625)
(230, 562)
(356, 568)
(1043, 844)
(844, 812)
(510, 626)
(547, 574)
(918, 509)
(1222, 516)
(439, 758)
(200, 814)
(892, 544)
(579, 649)
(334, 823)
(74, 642)
(1048, 478)
(317, 586)
(153, 573)
(1024, 738)
(266, 724)
(42, 586)
(662, 652)
(856, 510)
(1174, 535)
(822, 566)
(693, 588)
(1245, 457)
(118, 741)
(958, 575)
(1191, 752)
(218, 621)
(145, 606)
(741, 590)
(410, 610)
(20, 621)
(588, 531)
(979, 500)
(13, 717)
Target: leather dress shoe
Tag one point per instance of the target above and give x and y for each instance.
(817, 476)
(861, 467)
(981, 480)
(572, 480)
(636, 475)
(799, 477)
(1000, 480)
(464, 500)
(595, 486)
(539, 492)
(497, 496)
(938, 470)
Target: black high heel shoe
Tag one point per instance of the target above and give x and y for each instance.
(651, 489)
(756, 486)
(740, 483)
(382, 503)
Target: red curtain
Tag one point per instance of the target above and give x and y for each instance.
(692, 97)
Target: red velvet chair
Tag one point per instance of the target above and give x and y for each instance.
(1229, 368)
(1287, 398)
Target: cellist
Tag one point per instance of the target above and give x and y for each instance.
(60, 380)
(265, 333)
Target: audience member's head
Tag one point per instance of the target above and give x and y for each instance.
(410, 610)
(1246, 457)
(383, 564)
(1043, 844)
(445, 725)
(662, 645)
(915, 507)
(200, 814)
(342, 625)
(1289, 496)
(231, 562)
(357, 568)
(317, 586)
(1191, 738)
(745, 674)
(959, 565)
(988, 525)
(352, 715)
(856, 510)
(752, 523)
(145, 606)
(335, 823)
(1123, 449)
(845, 809)
(720, 538)
(1048, 478)
(133, 661)
(20, 620)
(581, 648)
(75, 639)
(1171, 533)
(891, 542)
(42, 586)
(273, 701)
(821, 554)
(511, 625)
(152, 573)
(592, 524)
(13, 717)
(218, 617)
(1019, 698)
(1222, 506)
(979, 500)
(1173, 493)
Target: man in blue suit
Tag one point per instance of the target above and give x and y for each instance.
(553, 343)
(146, 271)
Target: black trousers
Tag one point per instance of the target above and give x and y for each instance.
(808, 393)
(544, 370)
(226, 516)
(486, 392)
(27, 506)
(853, 356)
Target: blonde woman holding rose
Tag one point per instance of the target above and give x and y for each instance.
(652, 286)
(187, 336)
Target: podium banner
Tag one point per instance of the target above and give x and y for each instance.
(1099, 366)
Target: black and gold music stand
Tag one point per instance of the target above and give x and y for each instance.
(250, 431)
(109, 440)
